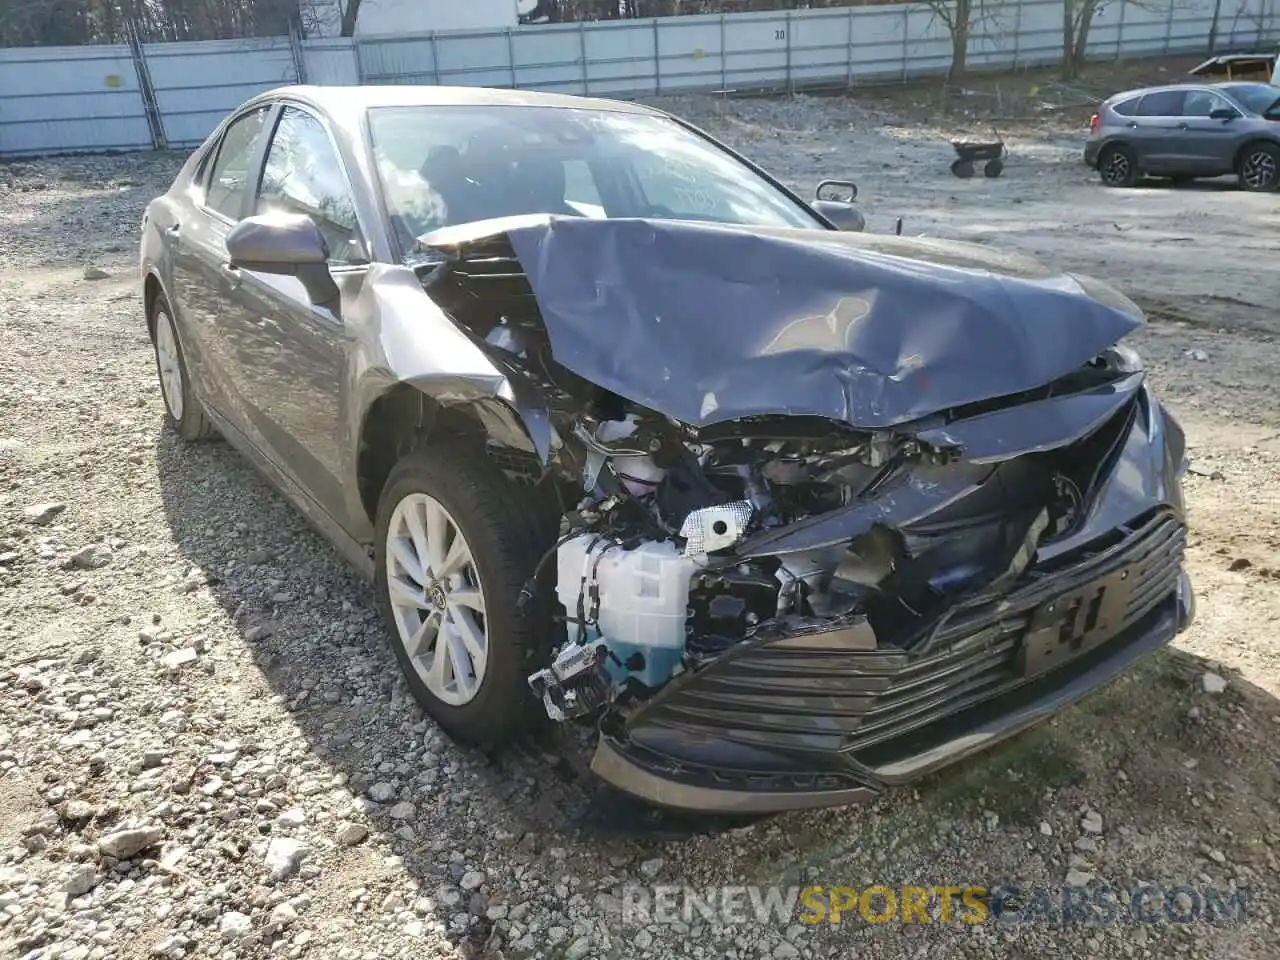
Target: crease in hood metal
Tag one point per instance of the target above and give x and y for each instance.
(710, 323)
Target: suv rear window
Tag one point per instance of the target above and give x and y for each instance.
(1127, 108)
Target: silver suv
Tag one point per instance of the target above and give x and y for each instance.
(1188, 131)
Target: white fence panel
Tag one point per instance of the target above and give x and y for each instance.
(331, 61)
(621, 56)
(70, 99)
(89, 98)
(198, 83)
(553, 60)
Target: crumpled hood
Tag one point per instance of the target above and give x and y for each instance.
(708, 323)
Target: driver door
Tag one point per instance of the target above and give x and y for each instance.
(295, 375)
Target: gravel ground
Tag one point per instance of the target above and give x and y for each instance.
(206, 750)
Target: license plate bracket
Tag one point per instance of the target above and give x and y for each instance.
(1073, 623)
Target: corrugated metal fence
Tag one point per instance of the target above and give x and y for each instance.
(65, 99)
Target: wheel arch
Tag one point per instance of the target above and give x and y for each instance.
(1248, 145)
(409, 415)
(152, 290)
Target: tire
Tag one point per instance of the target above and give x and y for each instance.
(183, 412)
(1118, 166)
(962, 169)
(1259, 167)
(482, 702)
(993, 169)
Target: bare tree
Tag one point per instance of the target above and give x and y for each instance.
(963, 19)
(350, 13)
(1077, 18)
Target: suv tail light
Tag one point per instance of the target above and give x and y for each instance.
(1094, 123)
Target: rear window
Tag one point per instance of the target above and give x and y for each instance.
(1127, 108)
(1163, 103)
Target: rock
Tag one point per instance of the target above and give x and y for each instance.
(283, 915)
(257, 633)
(10, 445)
(785, 951)
(472, 880)
(93, 557)
(1239, 563)
(581, 947)
(42, 514)
(1198, 355)
(1091, 822)
(1045, 829)
(651, 868)
(81, 880)
(1213, 684)
(1217, 856)
(284, 857)
(234, 926)
(78, 811)
(382, 792)
(349, 834)
(124, 844)
(1078, 878)
(292, 818)
(402, 811)
(179, 658)
(95, 273)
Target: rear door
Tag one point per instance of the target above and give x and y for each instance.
(295, 378)
(1158, 138)
(1209, 145)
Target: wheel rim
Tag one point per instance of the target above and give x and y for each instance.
(436, 599)
(169, 364)
(1116, 169)
(1259, 170)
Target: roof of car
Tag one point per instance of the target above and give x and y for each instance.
(1185, 85)
(349, 101)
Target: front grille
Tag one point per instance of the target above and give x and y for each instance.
(799, 693)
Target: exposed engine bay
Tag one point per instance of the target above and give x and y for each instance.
(806, 460)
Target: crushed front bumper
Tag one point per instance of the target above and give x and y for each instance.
(814, 715)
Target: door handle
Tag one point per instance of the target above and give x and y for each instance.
(173, 230)
(231, 274)
(1183, 126)
(1132, 124)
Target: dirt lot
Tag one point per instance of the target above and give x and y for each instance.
(181, 653)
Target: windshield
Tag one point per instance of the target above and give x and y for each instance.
(1256, 97)
(445, 165)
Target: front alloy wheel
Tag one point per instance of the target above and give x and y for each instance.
(436, 599)
(455, 543)
(1260, 168)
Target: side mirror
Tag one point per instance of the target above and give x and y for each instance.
(845, 216)
(1223, 113)
(840, 191)
(288, 244)
(833, 200)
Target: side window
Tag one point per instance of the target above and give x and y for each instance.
(1201, 103)
(304, 175)
(1164, 103)
(229, 179)
(1127, 108)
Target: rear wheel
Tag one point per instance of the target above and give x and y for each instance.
(1118, 166)
(456, 543)
(993, 168)
(183, 412)
(962, 169)
(1260, 167)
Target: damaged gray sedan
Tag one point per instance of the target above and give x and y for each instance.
(628, 434)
